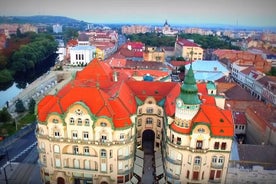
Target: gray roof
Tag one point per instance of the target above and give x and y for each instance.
(258, 155)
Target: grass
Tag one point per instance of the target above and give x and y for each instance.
(7, 129)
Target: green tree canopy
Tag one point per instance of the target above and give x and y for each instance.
(5, 116)
(19, 106)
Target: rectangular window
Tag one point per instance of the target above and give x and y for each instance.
(178, 141)
(188, 174)
(79, 121)
(103, 167)
(122, 136)
(76, 150)
(58, 162)
(199, 144)
(139, 122)
(56, 134)
(223, 146)
(75, 135)
(149, 110)
(158, 123)
(86, 150)
(85, 135)
(103, 139)
(87, 122)
(72, 121)
(216, 146)
(149, 121)
(110, 154)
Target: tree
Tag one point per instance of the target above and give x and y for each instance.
(19, 106)
(5, 116)
(3, 61)
(5, 76)
(31, 106)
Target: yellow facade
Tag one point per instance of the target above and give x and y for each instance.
(189, 53)
(154, 54)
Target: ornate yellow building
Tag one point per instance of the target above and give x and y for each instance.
(90, 130)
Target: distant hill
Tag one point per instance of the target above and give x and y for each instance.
(44, 19)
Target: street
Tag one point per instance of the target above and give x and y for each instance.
(21, 155)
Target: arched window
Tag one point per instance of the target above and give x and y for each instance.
(72, 120)
(87, 164)
(76, 163)
(103, 153)
(221, 160)
(197, 160)
(79, 121)
(214, 159)
(149, 121)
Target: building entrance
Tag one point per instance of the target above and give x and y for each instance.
(148, 141)
(148, 148)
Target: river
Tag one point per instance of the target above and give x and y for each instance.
(21, 82)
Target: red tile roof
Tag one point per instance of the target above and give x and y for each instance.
(184, 42)
(220, 121)
(95, 88)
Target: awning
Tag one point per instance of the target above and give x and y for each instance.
(162, 181)
(138, 170)
(158, 161)
(139, 161)
(159, 170)
(139, 153)
(134, 180)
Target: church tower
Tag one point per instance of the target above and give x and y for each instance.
(188, 102)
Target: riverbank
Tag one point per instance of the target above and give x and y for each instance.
(48, 83)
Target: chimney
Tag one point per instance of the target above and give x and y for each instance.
(115, 76)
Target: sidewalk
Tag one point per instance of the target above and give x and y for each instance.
(22, 173)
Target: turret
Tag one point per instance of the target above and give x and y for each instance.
(188, 102)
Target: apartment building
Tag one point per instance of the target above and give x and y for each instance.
(188, 50)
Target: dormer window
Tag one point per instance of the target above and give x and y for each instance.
(72, 121)
(87, 122)
(79, 121)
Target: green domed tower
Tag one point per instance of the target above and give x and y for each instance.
(188, 102)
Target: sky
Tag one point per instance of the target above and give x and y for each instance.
(197, 12)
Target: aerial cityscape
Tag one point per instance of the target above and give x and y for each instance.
(163, 92)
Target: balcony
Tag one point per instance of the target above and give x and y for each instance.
(73, 169)
(125, 157)
(176, 162)
(124, 172)
(86, 141)
(172, 176)
(217, 165)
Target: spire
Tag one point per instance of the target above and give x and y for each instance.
(189, 89)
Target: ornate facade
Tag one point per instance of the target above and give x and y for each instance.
(88, 132)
